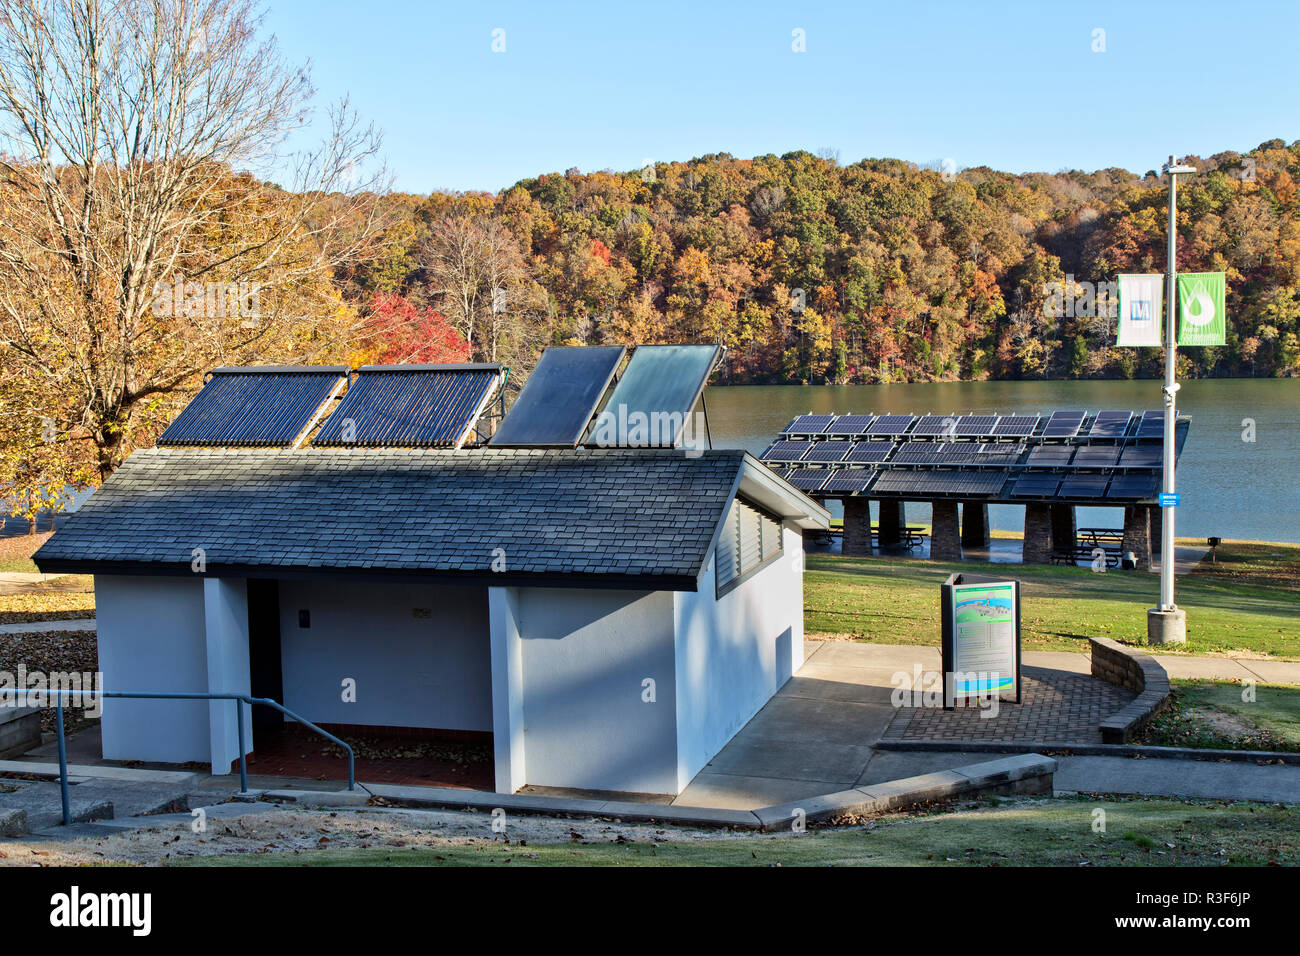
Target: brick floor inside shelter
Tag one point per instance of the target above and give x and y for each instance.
(1056, 706)
(381, 757)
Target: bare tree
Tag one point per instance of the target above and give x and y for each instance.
(139, 137)
(478, 276)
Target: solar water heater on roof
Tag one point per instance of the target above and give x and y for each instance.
(559, 398)
(411, 406)
(661, 383)
(264, 406)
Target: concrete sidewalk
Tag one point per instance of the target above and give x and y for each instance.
(1207, 779)
(44, 627)
(817, 735)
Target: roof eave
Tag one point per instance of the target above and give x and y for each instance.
(486, 577)
(762, 486)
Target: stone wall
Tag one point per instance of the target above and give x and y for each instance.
(1135, 671)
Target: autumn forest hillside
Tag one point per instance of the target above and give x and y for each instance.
(876, 271)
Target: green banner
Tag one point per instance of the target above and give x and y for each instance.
(1202, 317)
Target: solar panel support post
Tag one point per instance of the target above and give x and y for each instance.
(1167, 624)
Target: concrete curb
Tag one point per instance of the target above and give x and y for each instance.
(80, 772)
(1060, 749)
(13, 822)
(1029, 773)
(320, 798)
(1135, 671)
(448, 798)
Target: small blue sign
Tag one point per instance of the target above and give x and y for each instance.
(1169, 499)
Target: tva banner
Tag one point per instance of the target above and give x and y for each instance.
(1140, 308)
(1202, 318)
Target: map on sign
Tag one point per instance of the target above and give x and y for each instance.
(984, 638)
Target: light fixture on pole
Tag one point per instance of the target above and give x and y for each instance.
(1167, 624)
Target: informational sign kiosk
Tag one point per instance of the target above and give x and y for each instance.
(981, 639)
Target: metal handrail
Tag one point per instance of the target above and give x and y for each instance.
(141, 695)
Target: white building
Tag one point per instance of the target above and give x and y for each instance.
(610, 616)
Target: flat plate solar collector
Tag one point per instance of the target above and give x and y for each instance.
(559, 398)
(664, 381)
(869, 451)
(1035, 486)
(1110, 425)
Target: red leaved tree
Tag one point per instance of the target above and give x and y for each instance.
(397, 332)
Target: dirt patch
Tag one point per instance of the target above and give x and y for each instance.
(1221, 723)
(298, 832)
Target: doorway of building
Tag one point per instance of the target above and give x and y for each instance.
(266, 678)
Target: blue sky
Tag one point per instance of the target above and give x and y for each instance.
(1015, 86)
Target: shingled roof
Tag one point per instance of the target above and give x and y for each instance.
(588, 517)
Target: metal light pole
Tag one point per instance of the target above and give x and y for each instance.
(1167, 624)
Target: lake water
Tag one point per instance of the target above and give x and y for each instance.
(1230, 487)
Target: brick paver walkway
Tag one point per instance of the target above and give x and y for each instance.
(1057, 706)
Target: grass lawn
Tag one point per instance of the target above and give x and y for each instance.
(1021, 833)
(16, 551)
(65, 598)
(892, 600)
(1213, 714)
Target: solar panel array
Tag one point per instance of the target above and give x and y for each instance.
(1106, 457)
(411, 406)
(254, 406)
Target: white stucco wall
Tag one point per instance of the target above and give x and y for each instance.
(734, 653)
(151, 636)
(583, 658)
(225, 604)
(409, 671)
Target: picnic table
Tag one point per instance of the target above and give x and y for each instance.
(1100, 537)
(913, 535)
